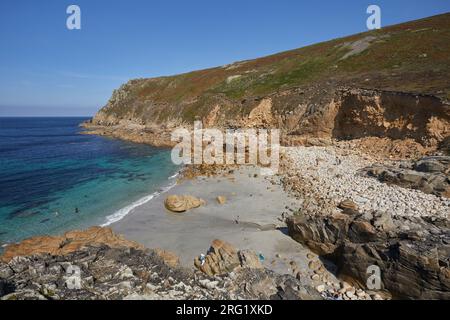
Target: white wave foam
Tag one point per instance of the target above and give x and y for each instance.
(174, 176)
(120, 214)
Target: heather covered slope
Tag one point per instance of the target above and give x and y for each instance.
(301, 91)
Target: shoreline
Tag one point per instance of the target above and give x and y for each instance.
(83, 198)
(323, 184)
(126, 210)
(252, 218)
(150, 222)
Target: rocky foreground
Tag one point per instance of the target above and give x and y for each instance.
(358, 212)
(132, 274)
(97, 264)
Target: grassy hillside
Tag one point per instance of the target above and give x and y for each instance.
(410, 57)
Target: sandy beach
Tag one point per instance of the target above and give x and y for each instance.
(250, 219)
(319, 180)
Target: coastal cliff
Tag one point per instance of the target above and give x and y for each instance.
(366, 108)
(374, 84)
(356, 115)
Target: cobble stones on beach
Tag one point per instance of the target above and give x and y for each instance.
(327, 176)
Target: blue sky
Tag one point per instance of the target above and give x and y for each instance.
(46, 69)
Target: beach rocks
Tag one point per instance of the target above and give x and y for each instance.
(414, 261)
(383, 221)
(348, 206)
(6, 287)
(356, 221)
(445, 146)
(320, 288)
(267, 285)
(176, 203)
(340, 175)
(433, 164)
(223, 258)
(330, 288)
(119, 273)
(69, 242)
(104, 273)
(170, 258)
(430, 175)
(221, 200)
(249, 259)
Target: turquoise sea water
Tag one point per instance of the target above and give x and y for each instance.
(53, 179)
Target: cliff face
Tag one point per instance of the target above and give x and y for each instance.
(312, 91)
(362, 113)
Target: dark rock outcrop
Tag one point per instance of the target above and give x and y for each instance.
(6, 287)
(430, 175)
(223, 258)
(445, 146)
(100, 272)
(125, 270)
(413, 254)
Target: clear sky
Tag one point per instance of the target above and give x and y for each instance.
(46, 69)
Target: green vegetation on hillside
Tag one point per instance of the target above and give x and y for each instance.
(411, 57)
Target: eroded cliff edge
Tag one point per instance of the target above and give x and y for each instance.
(391, 83)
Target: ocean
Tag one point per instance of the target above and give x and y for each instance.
(54, 179)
